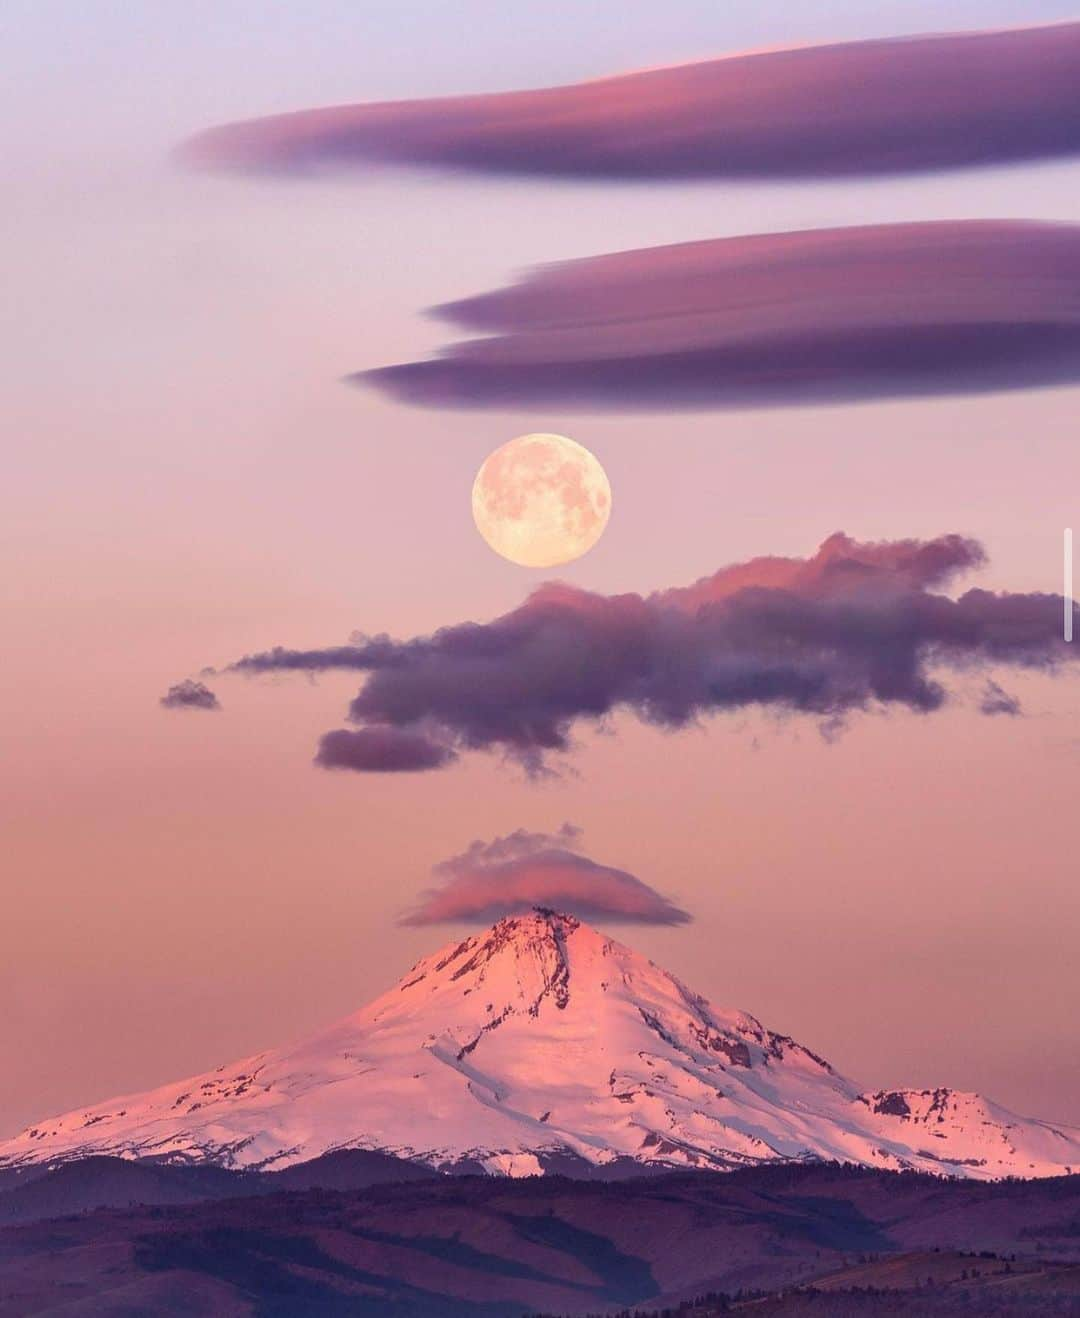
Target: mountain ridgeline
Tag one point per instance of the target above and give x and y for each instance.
(541, 1045)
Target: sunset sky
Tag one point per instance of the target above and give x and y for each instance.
(189, 480)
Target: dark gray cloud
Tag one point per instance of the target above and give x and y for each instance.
(856, 626)
(381, 750)
(866, 107)
(189, 694)
(513, 874)
(823, 315)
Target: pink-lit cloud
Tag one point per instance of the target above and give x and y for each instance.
(856, 626)
(768, 320)
(866, 107)
(512, 874)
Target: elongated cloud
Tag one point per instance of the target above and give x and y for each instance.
(381, 750)
(775, 319)
(189, 694)
(854, 627)
(868, 107)
(515, 873)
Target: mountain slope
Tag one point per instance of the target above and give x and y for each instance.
(541, 1039)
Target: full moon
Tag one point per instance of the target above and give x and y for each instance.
(541, 500)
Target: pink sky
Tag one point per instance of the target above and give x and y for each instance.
(188, 481)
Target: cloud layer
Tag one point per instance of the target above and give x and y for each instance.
(515, 873)
(856, 626)
(775, 319)
(867, 107)
(189, 694)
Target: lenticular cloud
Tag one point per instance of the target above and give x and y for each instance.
(855, 627)
(865, 107)
(515, 873)
(819, 316)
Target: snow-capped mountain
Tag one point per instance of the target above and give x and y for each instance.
(539, 1040)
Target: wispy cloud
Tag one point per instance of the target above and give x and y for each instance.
(856, 626)
(866, 107)
(996, 700)
(514, 873)
(769, 320)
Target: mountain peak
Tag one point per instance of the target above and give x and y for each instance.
(538, 922)
(540, 1039)
(520, 933)
(538, 947)
(554, 918)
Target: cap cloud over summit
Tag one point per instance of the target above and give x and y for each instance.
(523, 870)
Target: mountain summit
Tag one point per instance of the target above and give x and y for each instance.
(540, 1044)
